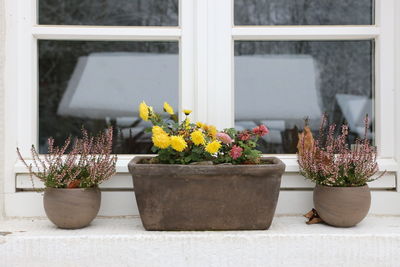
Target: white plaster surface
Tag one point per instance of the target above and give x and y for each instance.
(2, 63)
(124, 242)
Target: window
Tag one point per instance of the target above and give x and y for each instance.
(95, 84)
(304, 12)
(232, 62)
(323, 50)
(287, 82)
(108, 13)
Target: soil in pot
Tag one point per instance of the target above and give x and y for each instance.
(71, 208)
(206, 197)
(342, 206)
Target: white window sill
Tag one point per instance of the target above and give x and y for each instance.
(123, 241)
(385, 164)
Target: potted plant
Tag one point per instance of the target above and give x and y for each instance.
(341, 172)
(71, 174)
(203, 179)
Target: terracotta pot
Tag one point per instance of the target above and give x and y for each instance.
(206, 197)
(71, 208)
(342, 206)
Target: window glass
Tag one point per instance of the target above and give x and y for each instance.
(96, 84)
(109, 12)
(304, 12)
(280, 83)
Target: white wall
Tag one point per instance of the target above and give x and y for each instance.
(2, 61)
(397, 83)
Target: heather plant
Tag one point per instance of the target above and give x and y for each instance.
(187, 143)
(330, 161)
(83, 163)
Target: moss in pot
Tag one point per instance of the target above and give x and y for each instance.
(71, 175)
(341, 172)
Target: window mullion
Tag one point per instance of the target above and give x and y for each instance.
(305, 32)
(200, 60)
(220, 89)
(187, 56)
(384, 81)
(27, 113)
(106, 33)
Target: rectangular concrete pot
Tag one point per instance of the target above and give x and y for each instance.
(206, 197)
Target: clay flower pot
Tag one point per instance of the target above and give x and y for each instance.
(342, 206)
(71, 208)
(206, 197)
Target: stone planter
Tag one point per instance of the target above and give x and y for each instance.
(342, 206)
(206, 197)
(71, 208)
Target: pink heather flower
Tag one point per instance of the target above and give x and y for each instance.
(224, 138)
(261, 130)
(330, 161)
(244, 136)
(236, 152)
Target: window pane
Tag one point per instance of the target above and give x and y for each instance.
(109, 12)
(96, 84)
(304, 12)
(279, 83)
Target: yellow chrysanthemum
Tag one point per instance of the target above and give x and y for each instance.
(199, 124)
(187, 112)
(161, 140)
(187, 123)
(212, 131)
(198, 138)
(213, 147)
(168, 109)
(178, 143)
(144, 111)
(157, 130)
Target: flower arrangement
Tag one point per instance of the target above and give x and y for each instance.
(88, 163)
(188, 143)
(330, 161)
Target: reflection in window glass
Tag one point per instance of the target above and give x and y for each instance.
(304, 12)
(96, 84)
(109, 12)
(279, 83)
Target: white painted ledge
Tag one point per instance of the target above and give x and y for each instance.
(123, 242)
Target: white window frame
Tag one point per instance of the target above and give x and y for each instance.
(206, 35)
